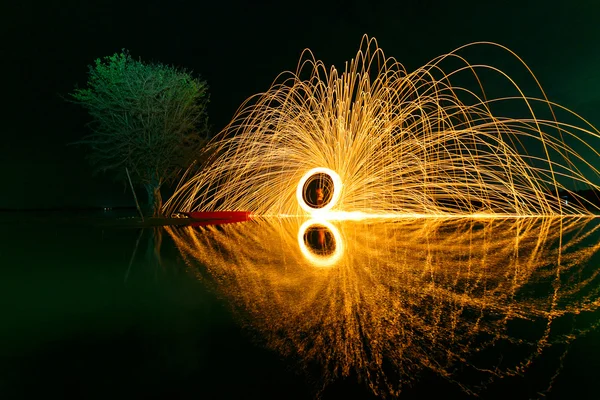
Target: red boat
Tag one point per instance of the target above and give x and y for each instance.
(204, 218)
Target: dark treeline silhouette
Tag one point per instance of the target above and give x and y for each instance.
(588, 198)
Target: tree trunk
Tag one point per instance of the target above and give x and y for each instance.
(154, 245)
(154, 200)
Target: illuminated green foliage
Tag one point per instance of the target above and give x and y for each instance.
(147, 117)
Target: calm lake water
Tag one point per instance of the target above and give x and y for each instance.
(297, 309)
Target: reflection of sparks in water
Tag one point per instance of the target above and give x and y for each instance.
(428, 142)
(328, 247)
(407, 296)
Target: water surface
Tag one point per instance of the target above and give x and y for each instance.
(297, 309)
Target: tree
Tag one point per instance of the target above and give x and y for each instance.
(147, 117)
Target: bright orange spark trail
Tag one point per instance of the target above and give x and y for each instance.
(386, 142)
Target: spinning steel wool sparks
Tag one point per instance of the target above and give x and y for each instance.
(373, 140)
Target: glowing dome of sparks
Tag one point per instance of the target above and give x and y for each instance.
(389, 142)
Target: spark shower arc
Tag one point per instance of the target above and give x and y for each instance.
(383, 141)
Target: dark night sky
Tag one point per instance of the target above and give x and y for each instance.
(239, 48)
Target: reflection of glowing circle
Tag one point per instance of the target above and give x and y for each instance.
(320, 240)
(316, 259)
(335, 196)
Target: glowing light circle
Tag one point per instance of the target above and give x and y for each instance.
(315, 259)
(335, 196)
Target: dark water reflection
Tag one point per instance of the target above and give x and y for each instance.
(289, 308)
(487, 307)
(83, 318)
